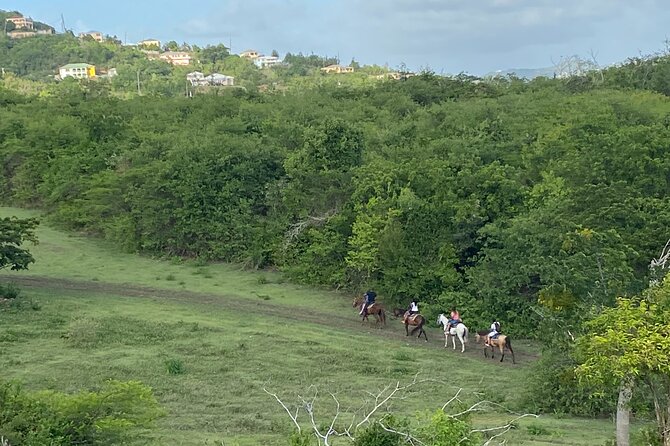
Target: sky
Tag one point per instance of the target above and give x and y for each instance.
(445, 36)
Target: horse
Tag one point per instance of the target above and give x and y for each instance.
(376, 309)
(459, 330)
(502, 342)
(416, 320)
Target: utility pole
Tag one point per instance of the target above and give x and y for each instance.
(139, 92)
(62, 23)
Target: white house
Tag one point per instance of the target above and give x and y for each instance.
(267, 61)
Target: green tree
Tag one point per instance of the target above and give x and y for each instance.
(627, 346)
(14, 232)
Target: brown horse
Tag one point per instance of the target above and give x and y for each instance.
(418, 322)
(502, 342)
(376, 309)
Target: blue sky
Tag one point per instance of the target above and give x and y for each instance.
(446, 36)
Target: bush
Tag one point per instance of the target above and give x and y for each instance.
(93, 418)
(376, 435)
(9, 291)
(553, 388)
(175, 366)
(445, 430)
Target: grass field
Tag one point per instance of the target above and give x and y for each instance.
(230, 334)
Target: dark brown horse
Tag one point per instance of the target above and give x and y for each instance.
(502, 342)
(376, 309)
(418, 322)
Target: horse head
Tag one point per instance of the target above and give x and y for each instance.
(357, 302)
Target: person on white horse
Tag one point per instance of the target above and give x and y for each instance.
(459, 330)
(455, 318)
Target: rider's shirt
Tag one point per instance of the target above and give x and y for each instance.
(414, 307)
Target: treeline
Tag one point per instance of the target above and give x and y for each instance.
(506, 198)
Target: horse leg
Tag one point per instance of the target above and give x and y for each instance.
(453, 340)
(406, 329)
(502, 352)
(446, 339)
(460, 338)
(424, 333)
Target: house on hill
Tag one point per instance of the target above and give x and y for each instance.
(96, 35)
(21, 22)
(180, 58)
(250, 54)
(267, 61)
(148, 43)
(337, 69)
(77, 70)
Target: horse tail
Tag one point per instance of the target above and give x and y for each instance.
(465, 334)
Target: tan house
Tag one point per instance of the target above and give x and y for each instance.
(96, 35)
(77, 70)
(147, 43)
(21, 22)
(176, 58)
(250, 54)
(337, 69)
(20, 34)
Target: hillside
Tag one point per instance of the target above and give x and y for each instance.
(235, 332)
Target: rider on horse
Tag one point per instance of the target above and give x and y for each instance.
(412, 309)
(369, 297)
(495, 331)
(454, 318)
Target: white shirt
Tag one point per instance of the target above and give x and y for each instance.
(413, 307)
(494, 328)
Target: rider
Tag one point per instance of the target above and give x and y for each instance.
(454, 318)
(369, 297)
(495, 330)
(412, 309)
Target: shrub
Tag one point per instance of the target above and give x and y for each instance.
(175, 366)
(94, 418)
(445, 430)
(376, 435)
(9, 291)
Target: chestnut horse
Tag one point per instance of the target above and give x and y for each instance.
(418, 322)
(376, 309)
(502, 342)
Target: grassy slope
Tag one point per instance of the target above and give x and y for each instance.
(81, 338)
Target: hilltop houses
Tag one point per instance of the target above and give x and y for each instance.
(25, 27)
(338, 69)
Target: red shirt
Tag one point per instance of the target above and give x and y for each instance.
(455, 316)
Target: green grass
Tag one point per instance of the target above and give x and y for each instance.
(209, 356)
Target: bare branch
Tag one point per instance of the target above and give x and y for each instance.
(291, 416)
(297, 228)
(503, 429)
(455, 397)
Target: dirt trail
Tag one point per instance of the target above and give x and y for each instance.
(393, 330)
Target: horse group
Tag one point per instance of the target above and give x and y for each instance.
(460, 331)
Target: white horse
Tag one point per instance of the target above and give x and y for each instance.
(459, 330)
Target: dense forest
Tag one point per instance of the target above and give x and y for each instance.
(535, 202)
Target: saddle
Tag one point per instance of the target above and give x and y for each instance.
(410, 318)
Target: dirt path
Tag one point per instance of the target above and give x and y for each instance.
(350, 321)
